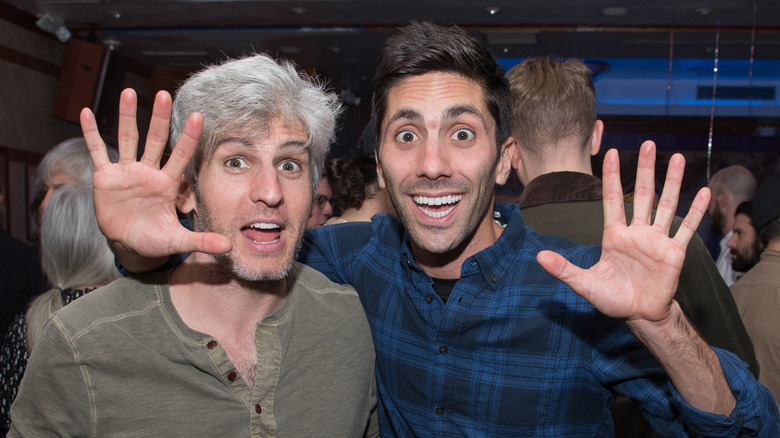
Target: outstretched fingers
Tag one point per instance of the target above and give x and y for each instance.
(95, 144)
(667, 205)
(127, 138)
(185, 147)
(614, 211)
(691, 222)
(644, 187)
(157, 136)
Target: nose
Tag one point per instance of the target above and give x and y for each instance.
(266, 188)
(732, 242)
(434, 161)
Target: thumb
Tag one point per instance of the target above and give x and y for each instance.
(210, 243)
(560, 268)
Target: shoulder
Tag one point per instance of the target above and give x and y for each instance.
(119, 299)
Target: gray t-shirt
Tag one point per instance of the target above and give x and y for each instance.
(121, 362)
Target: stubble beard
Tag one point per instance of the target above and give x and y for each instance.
(227, 266)
(746, 259)
(429, 237)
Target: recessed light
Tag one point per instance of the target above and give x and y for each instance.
(614, 11)
(492, 10)
(299, 11)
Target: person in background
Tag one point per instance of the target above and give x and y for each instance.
(356, 191)
(744, 245)
(76, 260)
(730, 187)
(556, 131)
(321, 207)
(66, 163)
(757, 293)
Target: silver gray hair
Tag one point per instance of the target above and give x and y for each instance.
(248, 94)
(71, 157)
(74, 253)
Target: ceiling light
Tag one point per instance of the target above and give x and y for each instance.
(298, 11)
(492, 10)
(55, 25)
(614, 11)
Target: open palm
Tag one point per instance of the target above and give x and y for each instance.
(636, 276)
(135, 200)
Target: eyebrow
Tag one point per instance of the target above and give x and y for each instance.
(450, 113)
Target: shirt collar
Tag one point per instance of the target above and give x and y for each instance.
(560, 187)
(492, 262)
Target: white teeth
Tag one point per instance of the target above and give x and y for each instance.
(424, 201)
(264, 226)
(440, 200)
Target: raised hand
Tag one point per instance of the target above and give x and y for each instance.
(636, 277)
(135, 200)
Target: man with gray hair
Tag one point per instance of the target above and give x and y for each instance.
(730, 187)
(248, 342)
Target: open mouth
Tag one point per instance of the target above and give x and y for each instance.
(263, 233)
(437, 207)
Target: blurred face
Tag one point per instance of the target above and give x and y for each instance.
(744, 244)
(321, 209)
(49, 186)
(256, 190)
(439, 162)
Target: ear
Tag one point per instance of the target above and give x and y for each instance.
(380, 177)
(185, 198)
(595, 138)
(506, 160)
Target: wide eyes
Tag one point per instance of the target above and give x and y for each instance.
(235, 163)
(406, 137)
(289, 166)
(463, 135)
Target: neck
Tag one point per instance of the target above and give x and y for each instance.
(563, 162)
(774, 245)
(215, 302)
(448, 265)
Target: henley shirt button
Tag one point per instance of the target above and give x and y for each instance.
(211, 345)
(439, 410)
(232, 376)
(408, 263)
(443, 349)
(258, 409)
(494, 279)
(429, 298)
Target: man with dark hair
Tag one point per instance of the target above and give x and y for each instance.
(757, 293)
(744, 244)
(556, 131)
(473, 336)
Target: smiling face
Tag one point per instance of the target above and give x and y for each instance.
(255, 190)
(439, 161)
